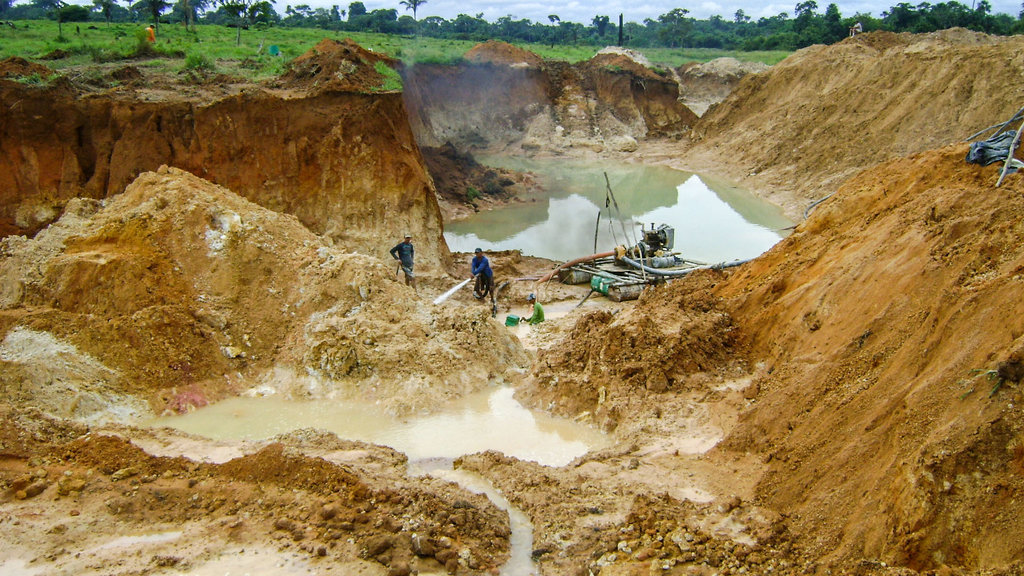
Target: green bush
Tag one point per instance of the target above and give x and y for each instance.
(472, 194)
(198, 62)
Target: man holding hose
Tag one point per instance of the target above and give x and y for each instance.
(480, 267)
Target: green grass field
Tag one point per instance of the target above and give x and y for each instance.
(215, 46)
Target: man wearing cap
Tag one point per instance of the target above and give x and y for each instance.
(480, 267)
(538, 313)
(403, 252)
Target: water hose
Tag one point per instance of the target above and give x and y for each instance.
(445, 296)
(678, 273)
(570, 263)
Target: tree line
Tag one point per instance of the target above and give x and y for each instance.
(675, 29)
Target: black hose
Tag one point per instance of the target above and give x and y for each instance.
(678, 273)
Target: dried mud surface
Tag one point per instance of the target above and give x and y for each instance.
(847, 403)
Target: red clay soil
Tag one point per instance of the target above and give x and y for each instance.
(333, 66)
(15, 67)
(497, 52)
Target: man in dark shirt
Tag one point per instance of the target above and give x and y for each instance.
(403, 252)
(480, 267)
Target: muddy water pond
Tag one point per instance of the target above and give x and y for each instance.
(713, 220)
(490, 420)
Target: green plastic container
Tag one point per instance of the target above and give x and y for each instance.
(601, 284)
(511, 320)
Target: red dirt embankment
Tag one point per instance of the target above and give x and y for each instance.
(878, 321)
(323, 146)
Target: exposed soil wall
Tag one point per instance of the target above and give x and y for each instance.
(505, 98)
(345, 163)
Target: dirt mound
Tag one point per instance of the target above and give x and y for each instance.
(605, 104)
(703, 84)
(617, 62)
(815, 119)
(609, 365)
(276, 502)
(333, 66)
(15, 67)
(180, 292)
(885, 323)
(633, 55)
(497, 52)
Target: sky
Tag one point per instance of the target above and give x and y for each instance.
(632, 10)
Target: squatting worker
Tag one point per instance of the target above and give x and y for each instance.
(538, 312)
(480, 267)
(404, 252)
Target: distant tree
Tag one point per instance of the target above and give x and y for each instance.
(412, 5)
(804, 15)
(554, 17)
(53, 8)
(740, 17)
(601, 23)
(74, 13)
(190, 10)
(834, 30)
(355, 10)
(154, 8)
(106, 8)
(5, 5)
(245, 12)
(674, 26)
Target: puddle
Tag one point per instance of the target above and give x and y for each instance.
(714, 221)
(491, 420)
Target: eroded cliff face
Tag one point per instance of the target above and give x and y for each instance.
(341, 159)
(507, 98)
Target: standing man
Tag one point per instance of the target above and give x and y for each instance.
(538, 312)
(480, 267)
(150, 34)
(403, 252)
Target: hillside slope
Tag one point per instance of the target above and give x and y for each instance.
(799, 130)
(873, 319)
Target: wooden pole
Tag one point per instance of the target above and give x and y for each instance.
(1009, 156)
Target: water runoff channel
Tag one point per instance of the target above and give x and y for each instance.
(713, 221)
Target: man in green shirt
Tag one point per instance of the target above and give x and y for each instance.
(538, 312)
